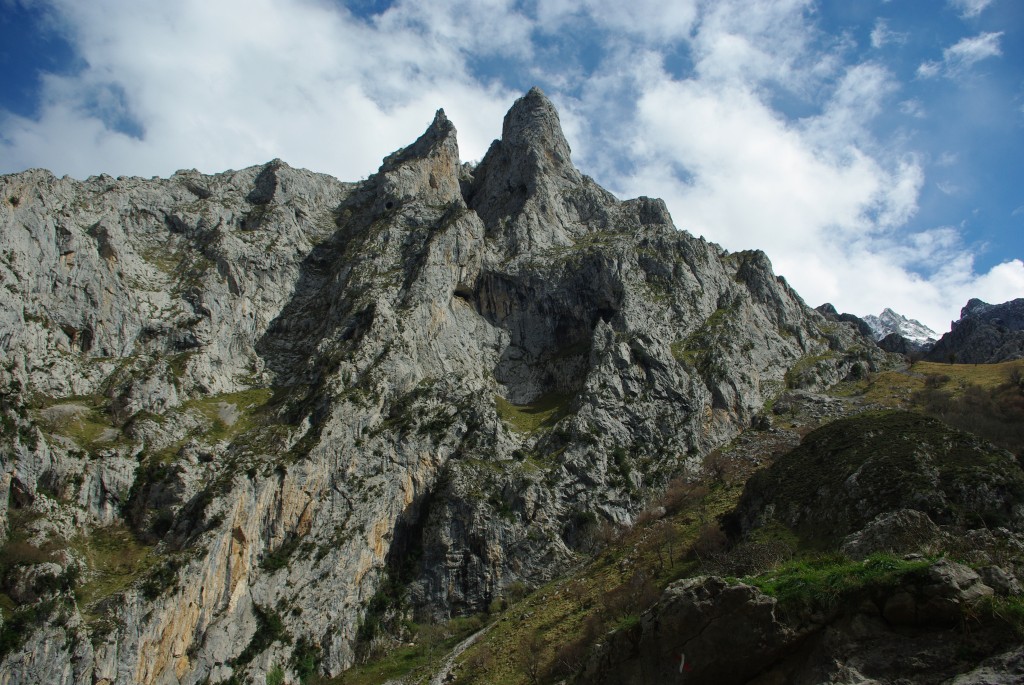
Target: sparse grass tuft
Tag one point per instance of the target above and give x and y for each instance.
(545, 412)
(115, 559)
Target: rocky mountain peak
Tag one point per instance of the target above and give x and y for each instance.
(889, 322)
(974, 306)
(985, 333)
(428, 169)
(532, 127)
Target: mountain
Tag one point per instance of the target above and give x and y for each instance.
(984, 334)
(254, 422)
(828, 310)
(889, 322)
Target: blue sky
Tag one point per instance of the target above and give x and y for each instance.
(873, 149)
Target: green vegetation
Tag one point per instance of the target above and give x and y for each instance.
(24, 620)
(417, 661)
(85, 419)
(115, 559)
(233, 413)
(275, 676)
(278, 559)
(1009, 610)
(544, 412)
(899, 459)
(821, 582)
(702, 349)
(896, 388)
(804, 372)
(269, 629)
(306, 658)
(550, 630)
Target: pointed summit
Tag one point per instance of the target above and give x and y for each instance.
(439, 138)
(533, 124)
(529, 170)
(429, 168)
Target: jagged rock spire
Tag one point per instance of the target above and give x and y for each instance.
(427, 169)
(526, 174)
(532, 126)
(439, 138)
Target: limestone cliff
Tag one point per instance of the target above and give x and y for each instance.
(239, 410)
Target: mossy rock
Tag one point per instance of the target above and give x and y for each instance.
(845, 473)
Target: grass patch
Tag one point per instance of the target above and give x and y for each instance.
(895, 388)
(822, 582)
(233, 413)
(987, 376)
(545, 412)
(550, 629)
(416, 662)
(115, 560)
(83, 419)
(1009, 610)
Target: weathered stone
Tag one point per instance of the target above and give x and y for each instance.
(905, 531)
(724, 633)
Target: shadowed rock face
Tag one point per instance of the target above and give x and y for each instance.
(848, 472)
(985, 334)
(706, 630)
(306, 392)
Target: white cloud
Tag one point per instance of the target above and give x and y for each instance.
(970, 50)
(913, 108)
(882, 35)
(652, 20)
(970, 8)
(298, 80)
(964, 54)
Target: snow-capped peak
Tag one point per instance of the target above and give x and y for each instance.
(891, 322)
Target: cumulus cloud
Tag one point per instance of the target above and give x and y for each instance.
(166, 86)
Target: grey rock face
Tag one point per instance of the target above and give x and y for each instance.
(829, 312)
(905, 531)
(297, 393)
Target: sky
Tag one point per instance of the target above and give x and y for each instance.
(873, 149)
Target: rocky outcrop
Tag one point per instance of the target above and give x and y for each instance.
(320, 407)
(702, 630)
(897, 344)
(985, 334)
(909, 629)
(829, 312)
(848, 472)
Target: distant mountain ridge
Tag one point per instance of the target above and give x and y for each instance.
(889, 322)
